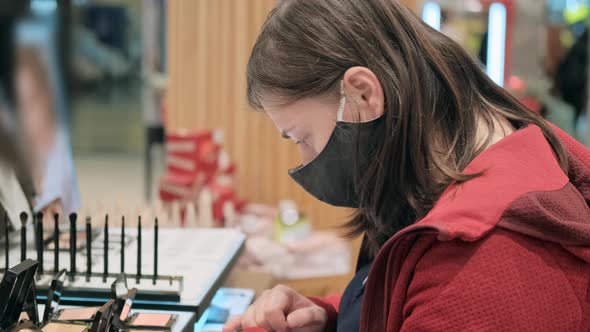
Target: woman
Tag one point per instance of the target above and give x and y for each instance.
(474, 210)
(16, 187)
(35, 102)
(48, 152)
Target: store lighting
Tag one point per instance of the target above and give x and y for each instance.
(431, 15)
(497, 43)
(43, 7)
(572, 5)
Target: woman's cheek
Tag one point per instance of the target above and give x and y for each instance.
(307, 153)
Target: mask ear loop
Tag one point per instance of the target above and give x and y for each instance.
(342, 105)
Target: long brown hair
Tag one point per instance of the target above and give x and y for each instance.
(434, 90)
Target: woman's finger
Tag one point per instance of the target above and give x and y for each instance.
(249, 318)
(259, 313)
(275, 308)
(233, 324)
(306, 317)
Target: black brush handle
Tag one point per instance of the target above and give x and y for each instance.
(88, 248)
(123, 245)
(56, 243)
(39, 234)
(138, 277)
(155, 252)
(73, 245)
(6, 240)
(23, 236)
(106, 250)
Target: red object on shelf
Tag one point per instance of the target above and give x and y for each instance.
(221, 195)
(241, 205)
(194, 160)
(191, 162)
(193, 153)
(176, 187)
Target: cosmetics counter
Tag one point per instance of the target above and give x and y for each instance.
(19, 310)
(172, 275)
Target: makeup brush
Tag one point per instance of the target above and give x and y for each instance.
(123, 245)
(229, 214)
(190, 216)
(6, 241)
(56, 244)
(205, 208)
(106, 250)
(155, 252)
(138, 277)
(23, 236)
(39, 242)
(73, 245)
(88, 248)
(175, 218)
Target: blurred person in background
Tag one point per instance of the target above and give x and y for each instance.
(51, 166)
(571, 79)
(16, 185)
(35, 103)
(474, 209)
(569, 71)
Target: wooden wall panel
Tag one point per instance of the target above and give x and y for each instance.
(412, 4)
(209, 42)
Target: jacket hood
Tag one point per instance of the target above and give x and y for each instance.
(523, 189)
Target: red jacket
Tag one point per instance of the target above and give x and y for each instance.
(507, 251)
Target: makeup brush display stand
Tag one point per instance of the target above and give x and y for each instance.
(192, 264)
(166, 288)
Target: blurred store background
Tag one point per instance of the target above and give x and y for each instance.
(101, 65)
(546, 50)
(112, 91)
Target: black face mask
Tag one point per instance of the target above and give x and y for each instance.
(332, 176)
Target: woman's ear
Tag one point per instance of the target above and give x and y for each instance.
(363, 89)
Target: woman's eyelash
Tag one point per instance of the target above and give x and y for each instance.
(300, 141)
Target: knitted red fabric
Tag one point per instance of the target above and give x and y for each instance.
(330, 304)
(507, 251)
(504, 282)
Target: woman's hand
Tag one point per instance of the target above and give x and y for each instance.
(281, 309)
(55, 207)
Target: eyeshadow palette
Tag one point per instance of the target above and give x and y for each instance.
(152, 320)
(77, 314)
(64, 327)
(125, 313)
